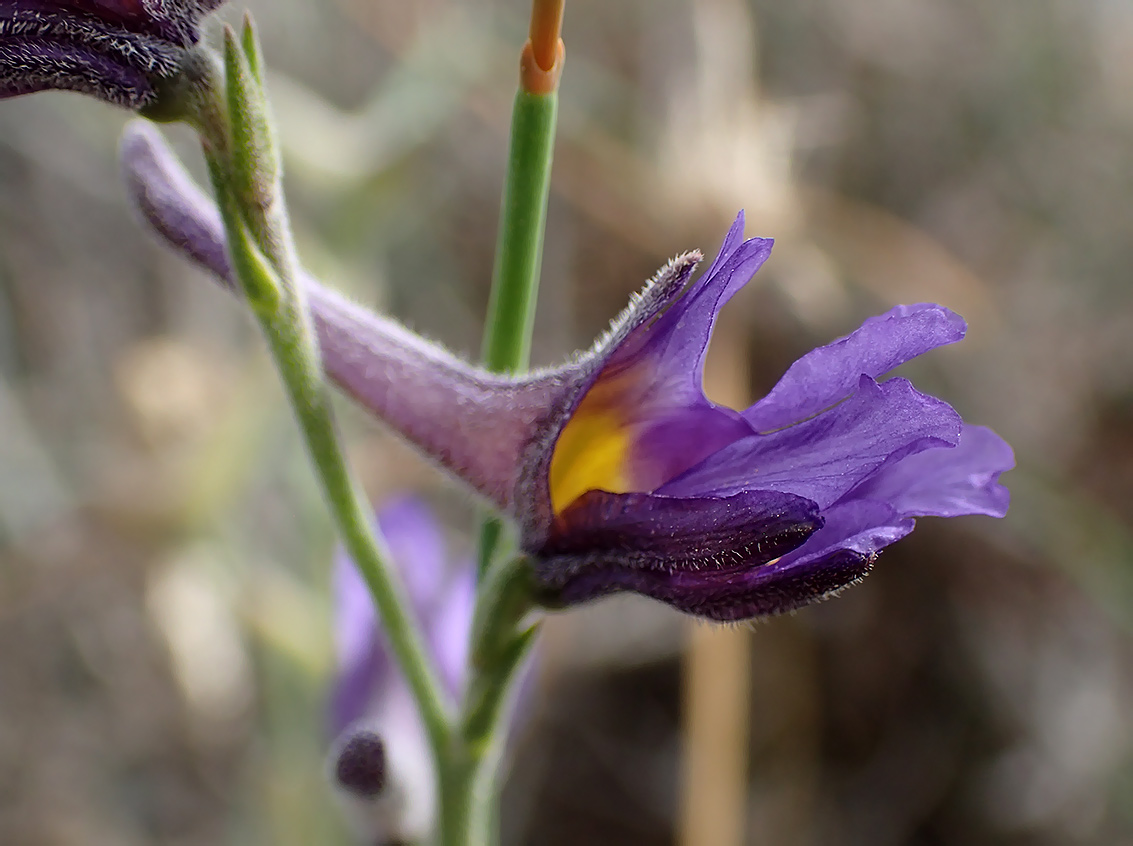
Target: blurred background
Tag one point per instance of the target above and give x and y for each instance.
(164, 623)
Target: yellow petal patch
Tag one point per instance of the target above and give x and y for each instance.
(592, 452)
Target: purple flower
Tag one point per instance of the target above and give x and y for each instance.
(382, 753)
(121, 51)
(620, 474)
(732, 515)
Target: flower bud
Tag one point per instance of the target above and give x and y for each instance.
(133, 53)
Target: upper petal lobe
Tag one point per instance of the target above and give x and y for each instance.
(829, 374)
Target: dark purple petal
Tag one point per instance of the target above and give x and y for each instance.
(829, 374)
(607, 542)
(28, 65)
(947, 482)
(828, 455)
(173, 20)
(737, 592)
(118, 50)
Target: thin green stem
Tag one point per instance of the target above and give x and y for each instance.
(519, 253)
(286, 326)
(468, 778)
(519, 247)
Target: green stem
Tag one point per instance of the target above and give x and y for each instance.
(463, 803)
(519, 245)
(467, 779)
(286, 326)
(519, 253)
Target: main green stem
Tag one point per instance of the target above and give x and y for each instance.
(467, 779)
(519, 245)
(519, 254)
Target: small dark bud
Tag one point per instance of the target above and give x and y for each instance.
(361, 765)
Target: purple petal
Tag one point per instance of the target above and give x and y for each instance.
(829, 374)
(860, 527)
(682, 331)
(362, 660)
(649, 389)
(734, 594)
(676, 425)
(417, 546)
(356, 686)
(603, 538)
(30, 64)
(828, 455)
(947, 482)
(450, 626)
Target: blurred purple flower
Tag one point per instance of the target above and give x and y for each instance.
(620, 473)
(383, 755)
(440, 593)
(117, 50)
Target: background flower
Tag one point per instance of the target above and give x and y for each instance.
(370, 698)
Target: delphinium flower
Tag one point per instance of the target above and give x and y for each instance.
(382, 757)
(617, 470)
(122, 51)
